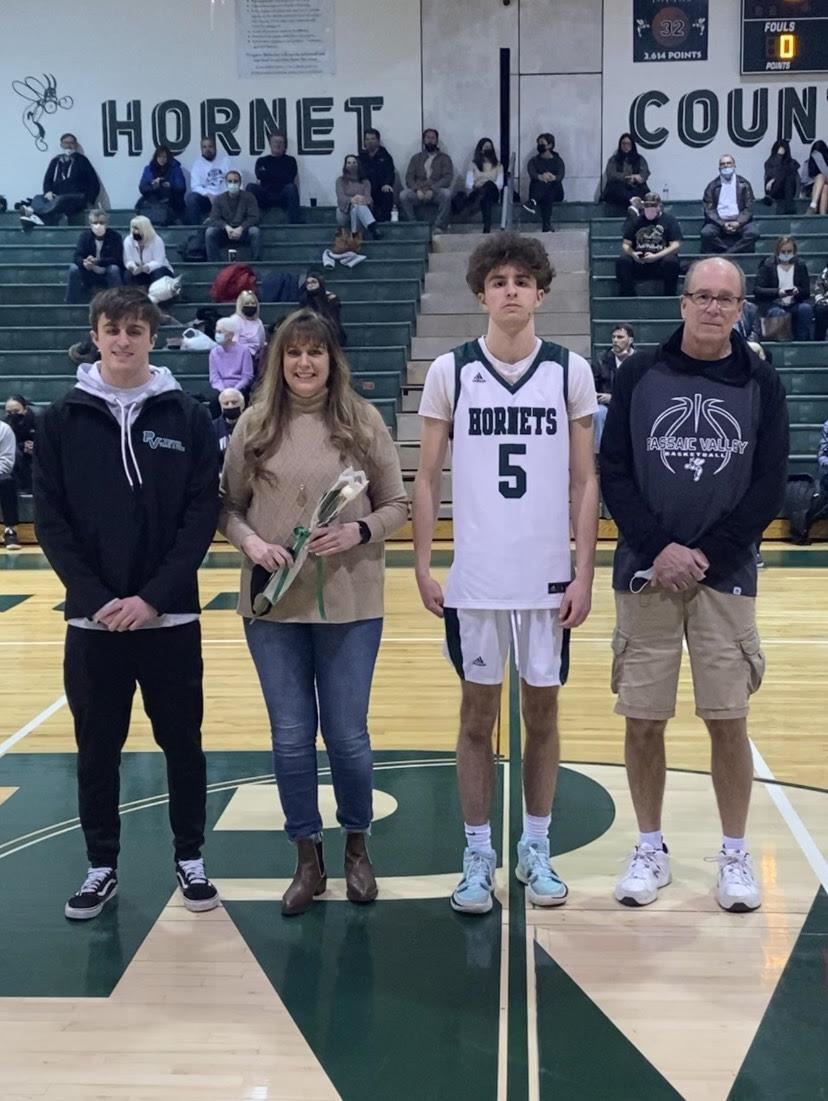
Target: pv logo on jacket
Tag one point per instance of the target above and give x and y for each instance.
(696, 434)
(155, 442)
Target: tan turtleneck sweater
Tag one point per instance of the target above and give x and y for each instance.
(306, 464)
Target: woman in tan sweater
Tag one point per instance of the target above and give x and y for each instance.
(353, 199)
(305, 426)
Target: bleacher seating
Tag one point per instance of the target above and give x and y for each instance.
(802, 366)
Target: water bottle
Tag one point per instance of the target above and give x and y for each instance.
(665, 193)
(395, 214)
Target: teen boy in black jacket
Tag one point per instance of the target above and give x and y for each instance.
(126, 503)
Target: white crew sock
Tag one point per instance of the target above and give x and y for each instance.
(734, 844)
(479, 838)
(655, 840)
(535, 828)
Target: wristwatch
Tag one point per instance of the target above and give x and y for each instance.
(364, 531)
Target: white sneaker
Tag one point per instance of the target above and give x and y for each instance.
(647, 872)
(737, 889)
(32, 220)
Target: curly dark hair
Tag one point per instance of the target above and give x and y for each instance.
(525, 253)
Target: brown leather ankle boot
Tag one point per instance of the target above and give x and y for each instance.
(310, 879)
(359, 875)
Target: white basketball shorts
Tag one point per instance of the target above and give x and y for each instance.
(477, 645)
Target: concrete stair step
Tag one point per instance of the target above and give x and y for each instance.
(570, 237)
(409, 456)
(570, 259)
(566, 296)
(472, 324)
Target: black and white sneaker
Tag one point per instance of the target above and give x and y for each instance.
(198, 892)
(10, 540)
(530, 206)
(29, 220)
(100, 885)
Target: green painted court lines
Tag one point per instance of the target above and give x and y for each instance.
(8, 602)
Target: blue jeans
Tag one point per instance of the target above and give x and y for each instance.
(802, 318)
(82, 283)
(318, 675)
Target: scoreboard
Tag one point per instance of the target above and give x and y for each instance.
(784, 36)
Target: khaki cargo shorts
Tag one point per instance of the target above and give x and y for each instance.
(726, 656)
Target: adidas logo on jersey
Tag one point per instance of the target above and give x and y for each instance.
(479, 377)
(479, 661)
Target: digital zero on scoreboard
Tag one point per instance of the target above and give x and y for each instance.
(784, 36)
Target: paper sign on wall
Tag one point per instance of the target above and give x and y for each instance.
(285, 37)
(670, 32)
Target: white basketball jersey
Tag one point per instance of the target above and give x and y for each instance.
(510, 483)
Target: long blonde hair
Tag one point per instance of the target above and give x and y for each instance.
(346, 413)
(144, 226)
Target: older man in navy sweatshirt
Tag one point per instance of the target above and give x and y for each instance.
(693, 467)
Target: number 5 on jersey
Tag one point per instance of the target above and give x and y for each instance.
(513, 476)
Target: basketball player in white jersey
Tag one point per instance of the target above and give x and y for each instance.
(518, 411)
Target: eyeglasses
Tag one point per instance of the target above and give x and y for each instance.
(702, 299)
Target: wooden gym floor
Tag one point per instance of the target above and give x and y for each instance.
(407, 1000)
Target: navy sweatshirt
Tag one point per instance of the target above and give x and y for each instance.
(695, 452)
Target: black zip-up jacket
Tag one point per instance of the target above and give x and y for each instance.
(106, 539)
(695, 452)
(378, 170)
(112, 249)
(766, 284)
(72, 176)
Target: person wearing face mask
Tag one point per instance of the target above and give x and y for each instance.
(625, 177)
(234, 220)
(781, 178)
(145, 256)
(484, 184)
(783, 288)
(728, 211)
(353, 199)
(315, 296)
(305, 426)
(231, 403)
(649, 249)
(98, 261)
(429, 179)
(207, 181)
(69, 185)
(250, 331)
(231, 365)
(162, 189)
(20, 417)
(546, 174)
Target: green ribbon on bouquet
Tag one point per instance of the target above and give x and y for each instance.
(272, 592)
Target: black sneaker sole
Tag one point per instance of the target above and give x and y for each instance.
(201, 905)
(88, 912)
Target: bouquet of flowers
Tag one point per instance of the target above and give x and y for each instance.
(345, 489)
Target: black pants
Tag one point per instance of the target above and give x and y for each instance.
(784, 190)
(483, 198)
(100, 671)
(628, 272)
(619, 193)
(287, 199)
(715, 239)
(820, 320)
(8, 501)
(546, 195)
(382, 203)
(50, 211)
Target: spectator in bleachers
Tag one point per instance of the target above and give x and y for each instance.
(546, 174)
(353, 199)
(649, 249)
(783, 286)
(20, 417)
(145, 256)
(626, 176)
(98, 261)
(70, 184)
(231, 405)
(162, 189)
(378, 168)
(822, 458)
(821, 305)
(8, 487)
(234, 220)
(430, 178)
(207, 180)
(231, 365)
(484, 184)
(277, 177)
(315, 296)
(814, 178)
(781, 177)
(250, 330)
(604, 370)
(728, 211)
